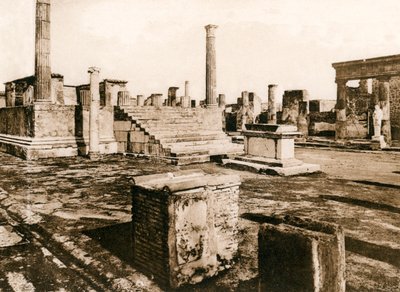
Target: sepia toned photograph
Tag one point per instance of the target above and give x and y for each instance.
(199, 145)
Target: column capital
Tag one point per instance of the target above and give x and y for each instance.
(341, 81)
(92, 70)
(383, 78)
(43, 1)
(210, 30)
(272, 85)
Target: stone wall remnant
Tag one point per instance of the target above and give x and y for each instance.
(298, 254)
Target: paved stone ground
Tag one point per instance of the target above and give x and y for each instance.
(65, 223)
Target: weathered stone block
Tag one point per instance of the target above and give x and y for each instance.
(184, 225)
(301, 255)
(122, 125)
(121, 136)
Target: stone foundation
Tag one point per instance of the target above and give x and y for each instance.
(301, 255)
(185, 225)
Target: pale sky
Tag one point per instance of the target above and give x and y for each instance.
(155, 44)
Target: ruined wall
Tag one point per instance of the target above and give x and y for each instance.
(395, 107)
(18, 121)
(54, 121)
(321, 105)
(322, 124)
(109, 91)
(70, 95)
(2, 99)
(295, 110)
(358, 110)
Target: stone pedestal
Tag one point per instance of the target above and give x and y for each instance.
(301, 255)
(269, 149)
(185, 225)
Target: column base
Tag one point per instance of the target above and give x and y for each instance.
(381, 141)
(386, 131)
(341, 130)
(94, 155)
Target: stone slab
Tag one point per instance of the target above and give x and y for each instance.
(302, 169)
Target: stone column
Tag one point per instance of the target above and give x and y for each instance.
(85, 97)
(221, 100)
(272, 103)
(171, 101)
(42, 52)
(185, 101)
(211, 74)
(157, 100)
(363, 86)
(123, 98)
(341, 104)
(140, 100)
(384, 101)
(94, 138)
(245, 98)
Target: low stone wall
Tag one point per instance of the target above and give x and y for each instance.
(301, 255)
(185, 225)
(18, 121)
(38, 131)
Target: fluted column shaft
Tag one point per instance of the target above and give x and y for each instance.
(42, 52)
(341, 116)
(211, 74)
(272, 103)
(94, 137)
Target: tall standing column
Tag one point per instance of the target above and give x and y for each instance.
(94, 139)
(384, 100)
(211, 74)
(341, 117)
(272, 103)
(42, 52)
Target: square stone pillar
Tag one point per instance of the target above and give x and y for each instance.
(171, 101)
(384, 101)
(140, 100)
(341, 104)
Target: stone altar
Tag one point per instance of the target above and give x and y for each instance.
(269, 149)
(185, 225)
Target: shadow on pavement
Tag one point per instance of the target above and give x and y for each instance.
(117, 239)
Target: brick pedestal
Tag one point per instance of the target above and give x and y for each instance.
(184, 225)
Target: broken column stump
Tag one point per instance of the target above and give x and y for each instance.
(301, 255)
(184, 225)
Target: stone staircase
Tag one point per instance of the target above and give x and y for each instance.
(179, 135)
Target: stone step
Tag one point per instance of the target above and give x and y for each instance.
(213, 149)
(190, 144)
(198, 137)
(191, 159)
